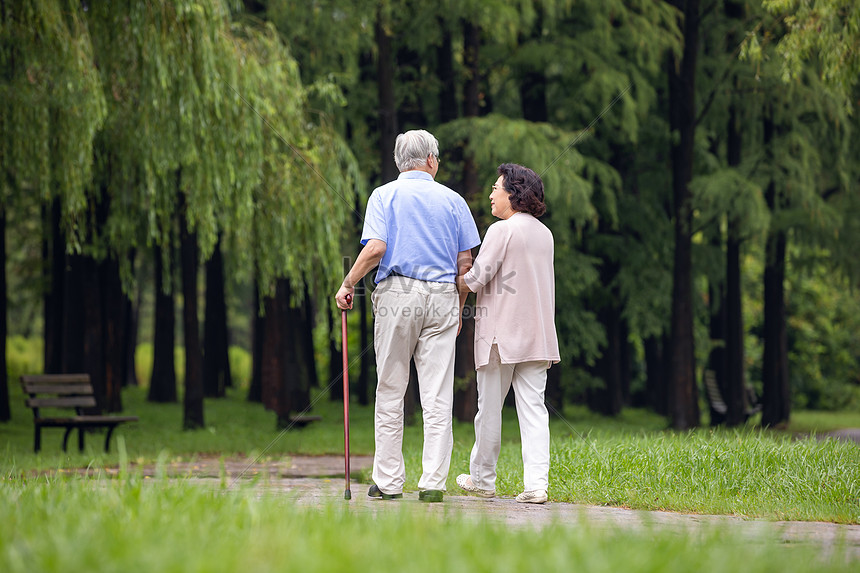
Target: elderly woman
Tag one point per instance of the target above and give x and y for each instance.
(515, 338)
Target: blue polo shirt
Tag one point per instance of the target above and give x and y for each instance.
(423, 225)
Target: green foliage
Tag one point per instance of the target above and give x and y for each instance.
(23, 356)
(824, 351)
(51, 104)
(825, 31)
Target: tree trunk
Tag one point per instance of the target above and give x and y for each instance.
(115, 333)
(216, 362)
(609, 399)
(162, 384)
(275, 389)
(5, 410)
(189, 261)
(683, 394)
(54, 251)
(445, 73)
(92, 330)
(306, 341)
(734, 393)
(335, 358)
(466, 397)
(132, 310)
(258, 326)
(717, 327)
(410, 110)
(367, 354)
(387, 106)
(655, 381)
(776, 395)
(554, 391)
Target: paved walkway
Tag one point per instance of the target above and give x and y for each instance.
(318, 480)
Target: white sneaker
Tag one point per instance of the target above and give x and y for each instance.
(534, 496)
(465, 483)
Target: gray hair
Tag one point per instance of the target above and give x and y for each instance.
(411, 149)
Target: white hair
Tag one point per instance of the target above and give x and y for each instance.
(411, 149)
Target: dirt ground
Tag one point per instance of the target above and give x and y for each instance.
(314, 481)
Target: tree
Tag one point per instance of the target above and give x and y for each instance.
(683, 395)
(51, 109)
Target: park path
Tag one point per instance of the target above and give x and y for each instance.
(317, 481)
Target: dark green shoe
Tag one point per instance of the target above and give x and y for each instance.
(431, 495)
(375, 492)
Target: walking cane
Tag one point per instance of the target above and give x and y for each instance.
(343, 342)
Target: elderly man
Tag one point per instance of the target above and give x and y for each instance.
(420, 233)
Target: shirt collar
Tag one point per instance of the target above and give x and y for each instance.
(415, 174)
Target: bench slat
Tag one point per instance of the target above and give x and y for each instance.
(56, 378)
(67, 402)
(86, 420)
(62, 389)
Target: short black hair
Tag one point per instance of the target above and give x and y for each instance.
(525, 187)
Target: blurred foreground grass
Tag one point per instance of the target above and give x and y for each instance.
(131, 525)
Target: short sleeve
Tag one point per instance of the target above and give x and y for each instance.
(374, 220)
(469, 236)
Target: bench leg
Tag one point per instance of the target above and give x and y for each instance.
(37, 444)
(107, 438)
(81, 438)
(66, 436)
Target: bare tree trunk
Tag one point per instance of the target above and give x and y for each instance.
(216, 361)
(776, 395)
(734, 389)
(162, 384)
(655, 382)
(115, 333)
(387, 106)
(445, 72)
(132, 310)
(335, 358)
(683, 393)
(189, 261)
(54, 251)
(717, 327)
(367, 354)
(275, 388)
(466, 398)
(258, 335)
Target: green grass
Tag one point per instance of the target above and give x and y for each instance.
(133, 525)
(628, 461)
(817, 421)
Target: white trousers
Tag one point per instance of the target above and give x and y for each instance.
(494, 382)
(414, 319)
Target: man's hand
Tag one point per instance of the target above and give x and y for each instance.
(341, 297)
(368, 258)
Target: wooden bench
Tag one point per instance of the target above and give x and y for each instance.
(67, 391)
(715, 397)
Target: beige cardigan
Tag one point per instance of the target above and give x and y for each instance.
(514, 277)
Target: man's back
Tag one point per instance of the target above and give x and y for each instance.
(424, 225)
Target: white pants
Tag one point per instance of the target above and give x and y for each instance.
(414, 319)
(494, 382)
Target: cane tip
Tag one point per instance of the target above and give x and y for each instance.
(347, 495)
